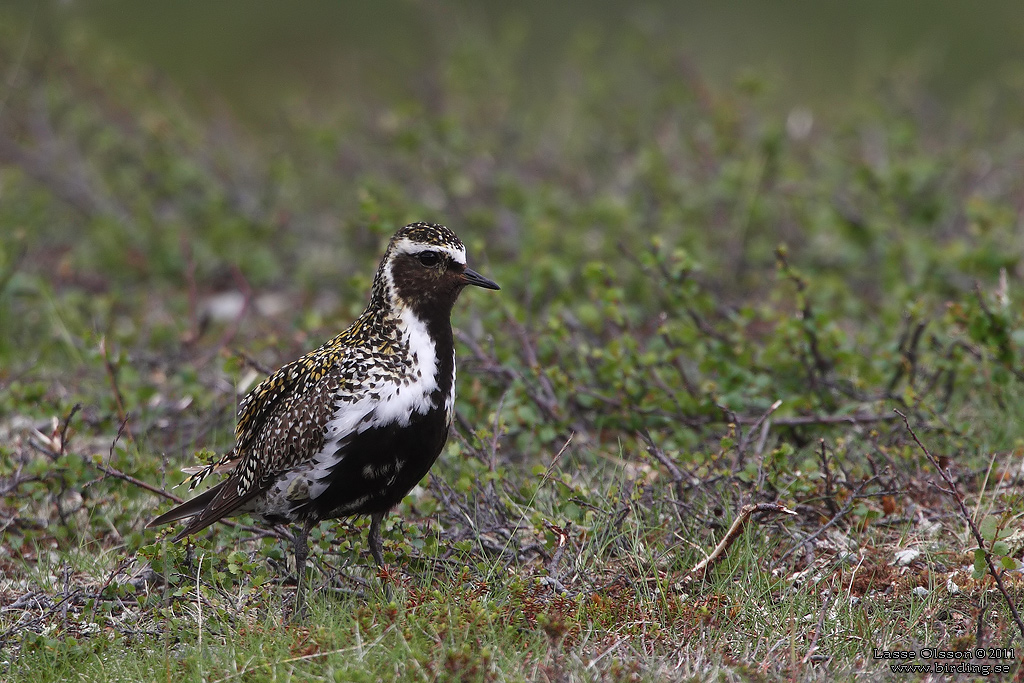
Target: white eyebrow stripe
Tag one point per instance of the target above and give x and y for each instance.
(407, 246)
(458, 255)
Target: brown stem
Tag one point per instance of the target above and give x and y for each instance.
(733, 533)
(118, 400)
(965, 513)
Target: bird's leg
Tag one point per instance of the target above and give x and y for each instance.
(376, 544)
(301, 548)
(377, 549)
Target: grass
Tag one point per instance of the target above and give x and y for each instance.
(701, 308)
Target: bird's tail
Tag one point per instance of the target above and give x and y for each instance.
(190, 508)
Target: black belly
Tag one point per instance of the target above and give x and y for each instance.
(410, 451)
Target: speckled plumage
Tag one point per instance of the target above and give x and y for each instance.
(351, 427)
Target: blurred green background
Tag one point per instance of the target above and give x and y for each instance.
(253, 55)
(147, 144)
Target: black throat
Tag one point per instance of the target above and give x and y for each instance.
(431, 296)
(440, 331)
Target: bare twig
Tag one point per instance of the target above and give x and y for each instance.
(909, 343)
(660, 455)
(541, 394)
(64, 429)
(822, 365)
(523, 515)
(955, 494)
(733, 533)
(817, 629)
(745, 439)
(728, 416)
(799, 420)
(118, 474)
(550, 400)
(857, 495)
(118, 400)
(253, 363)
(562, 534)
(827, 475)
(110, 471)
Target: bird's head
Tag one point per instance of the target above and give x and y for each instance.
(424, 268)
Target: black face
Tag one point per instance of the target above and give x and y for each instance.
(430, 281)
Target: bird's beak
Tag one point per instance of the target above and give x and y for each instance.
(471, 277)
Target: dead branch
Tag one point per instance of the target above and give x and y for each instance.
(547, 391)
(253, 363)
(541, 396)
(822, 365)
(700, 569)
(118, 400)
(909, 343)
(826, 599)
(64, 430)
(955, 494)
(745, 438)
(826, 472)
(857, 495)
(118, 474)
(800, 420)
(110, 471)
(655, 452)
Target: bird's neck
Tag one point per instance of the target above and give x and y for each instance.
(429, 342)
(437, 328)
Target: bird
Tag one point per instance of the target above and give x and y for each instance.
(351, 427)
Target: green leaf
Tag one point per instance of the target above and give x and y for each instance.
(980, 566)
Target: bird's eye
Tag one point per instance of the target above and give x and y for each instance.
(429, 258)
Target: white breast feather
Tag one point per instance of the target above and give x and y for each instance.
(449, 403)
(395, 403)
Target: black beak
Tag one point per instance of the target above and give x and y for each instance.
(471, 277)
